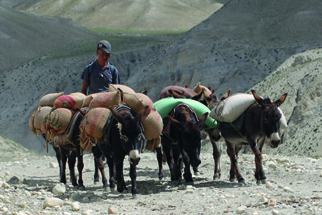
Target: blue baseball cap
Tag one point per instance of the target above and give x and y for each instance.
(105, 46)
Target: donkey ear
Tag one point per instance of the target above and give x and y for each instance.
(281, 100)
(198, 96)
(202, 119)
(175, 122)
(116, 114)
(226, 95)
(257, 98)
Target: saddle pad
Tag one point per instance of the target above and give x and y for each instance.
(166, 105)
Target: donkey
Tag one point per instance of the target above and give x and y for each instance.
(259, 122)
(125, 136)
(210, 100)
(181, 141)
(70, 152)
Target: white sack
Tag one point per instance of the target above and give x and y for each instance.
(231, 108)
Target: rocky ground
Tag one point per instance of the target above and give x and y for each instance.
(29, 184)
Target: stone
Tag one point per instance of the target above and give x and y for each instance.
(112, 210)
(52, 202)
(59, 189)
(75, 206)
(241, 209)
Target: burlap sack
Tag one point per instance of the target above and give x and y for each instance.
(85, 140)
(138, 101)
(152, 125)
(125, 89)
(74, 102)
(39, 117)
(154, 143)
(57, 121)
(94, 122)
(49, 99)
(80, 95)
(31, 122)
(105, 99)
(88, 99)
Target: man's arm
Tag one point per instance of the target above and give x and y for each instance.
(84, 88)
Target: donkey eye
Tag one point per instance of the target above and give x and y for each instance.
(265, 120)
(125, 138)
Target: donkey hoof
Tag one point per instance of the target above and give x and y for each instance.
(232, 179)
(197, 173)
(262, 181)
(242, 183)
(113, 190)
(135, 196)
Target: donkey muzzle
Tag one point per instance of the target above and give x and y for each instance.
(274, 140)
(134, 157)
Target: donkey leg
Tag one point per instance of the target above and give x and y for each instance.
(97, 154)
(119, 173)
(259, 173)
(110, 163)
(80, 165)
(133, 176)
(167, 152)
(187, 173)
(63, 153)
(216, 153)
(71, 165)
(177, 163)
(159, 158)
(234, 169)
(99, 165)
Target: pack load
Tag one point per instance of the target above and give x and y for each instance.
(57, 120)
(166, 105)
(37, 118)
(138, 101)
(49, 99)
(92, 127)
(124, 88)
(72, 101)
(231, 108)
(152, 124)
(67, 137)
(105, 99)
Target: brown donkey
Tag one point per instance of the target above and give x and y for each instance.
(261, 120)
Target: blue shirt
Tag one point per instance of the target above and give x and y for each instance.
(100, 79)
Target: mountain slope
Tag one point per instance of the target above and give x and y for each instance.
(128, 15)
(24, 36)
(300, 77)
(236, 47)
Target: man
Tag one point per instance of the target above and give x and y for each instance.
(98, 75)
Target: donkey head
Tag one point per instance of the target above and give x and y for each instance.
(190, 137)
(210, 100)
(270, 118)
(130, 131)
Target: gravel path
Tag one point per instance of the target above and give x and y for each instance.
(29, 185)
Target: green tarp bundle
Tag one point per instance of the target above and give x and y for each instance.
(166, 105)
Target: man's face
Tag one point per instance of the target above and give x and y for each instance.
(102, 56)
